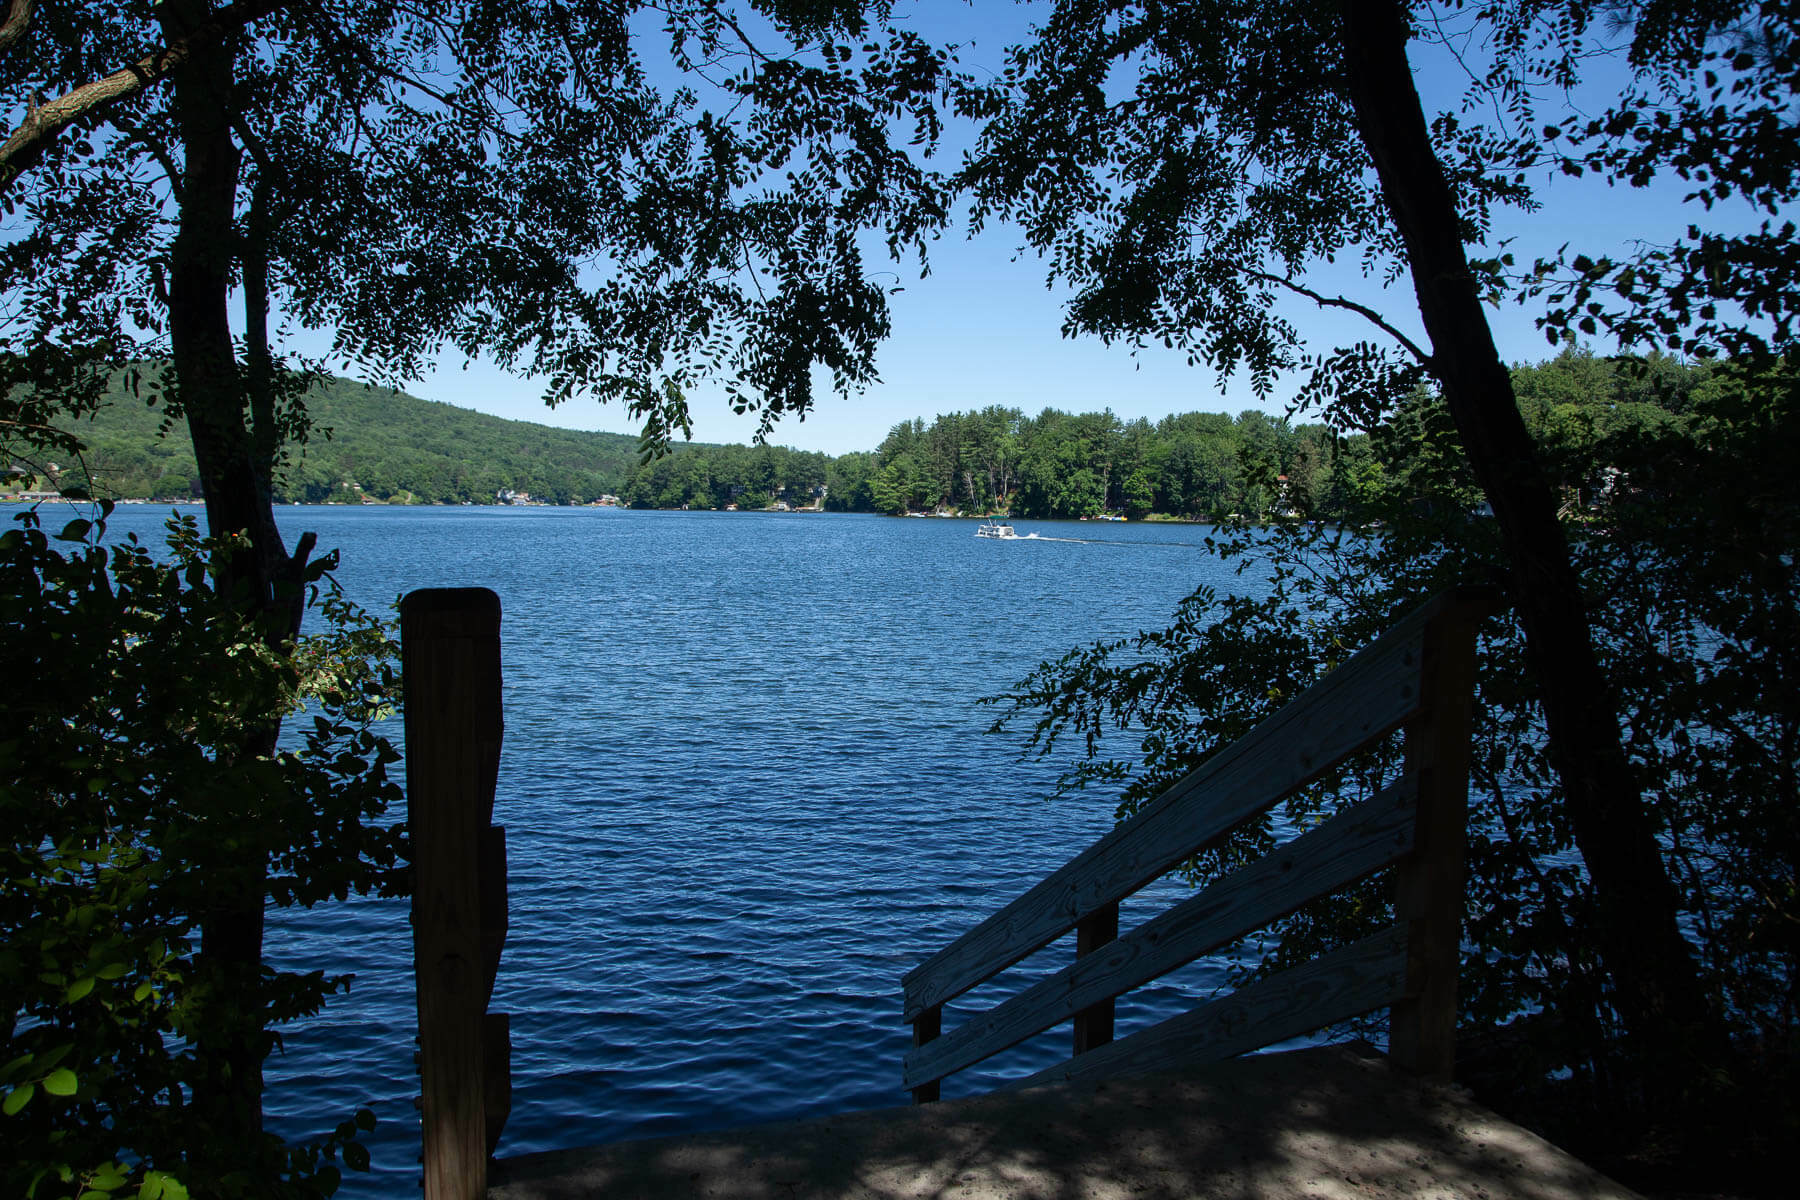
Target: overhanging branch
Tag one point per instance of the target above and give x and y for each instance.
(1362, 310)
(43, 122)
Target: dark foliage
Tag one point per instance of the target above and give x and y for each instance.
(127, 804)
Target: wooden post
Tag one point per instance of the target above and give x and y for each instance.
(491, 886)
(496, 1028)
(1428, 883)
(926, 1027)
(496, 1076)
(1094, 1024)
(450, 656)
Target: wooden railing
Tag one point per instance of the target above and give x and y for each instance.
(450, 656)
(1420, 676)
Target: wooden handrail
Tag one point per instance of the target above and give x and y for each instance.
(1344, 983)
(1344, 849)
(450, 659)
(1419, 675)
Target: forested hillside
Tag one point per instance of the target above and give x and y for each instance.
(367, 442)
(381, 445)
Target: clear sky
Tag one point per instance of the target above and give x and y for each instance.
(982, 328)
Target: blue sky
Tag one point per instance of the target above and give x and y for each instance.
(982, 328)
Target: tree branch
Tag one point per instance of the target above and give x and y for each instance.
(490, 119)
(18, 20)
(155, 149)
(43, 122)
(1363, 310)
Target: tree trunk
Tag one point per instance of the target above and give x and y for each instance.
(1657, 990)
(262, 577)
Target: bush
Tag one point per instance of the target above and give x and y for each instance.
(129, 806)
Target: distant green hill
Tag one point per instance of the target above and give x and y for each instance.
(375, 443)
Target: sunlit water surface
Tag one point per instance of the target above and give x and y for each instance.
(747, 786)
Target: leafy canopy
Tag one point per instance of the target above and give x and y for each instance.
(1193, 172)
(531, 182)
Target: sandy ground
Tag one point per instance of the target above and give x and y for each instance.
(1325, 1123)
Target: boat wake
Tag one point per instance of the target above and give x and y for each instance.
(1006, 534)
(1038, 537)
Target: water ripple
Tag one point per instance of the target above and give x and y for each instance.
(746, 788)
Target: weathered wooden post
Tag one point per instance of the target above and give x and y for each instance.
(450, 657)
(1428, 883)
(1094, 1024)
(926, 1027)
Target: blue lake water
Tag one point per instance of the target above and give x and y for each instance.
(746, 786)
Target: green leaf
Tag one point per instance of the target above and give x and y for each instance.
(356, 1156)
(75, 531)
(60, 1082)
(78, 989)
(18, 1098)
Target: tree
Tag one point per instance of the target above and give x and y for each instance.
(1310, 471)
(1184, 166)
(847, 483)
(1697, 619)
(1201, 467)
(1137, 494)
(544, 138)
(419, 178)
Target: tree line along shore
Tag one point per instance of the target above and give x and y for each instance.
(379, 446)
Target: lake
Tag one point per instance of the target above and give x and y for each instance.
(747, 786)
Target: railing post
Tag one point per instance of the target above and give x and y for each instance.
(926, 1027)
(1428, 883)
(450, 656)
(1094, 1024)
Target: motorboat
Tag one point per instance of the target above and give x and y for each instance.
(991, 528)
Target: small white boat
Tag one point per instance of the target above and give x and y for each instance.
(991, 528)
